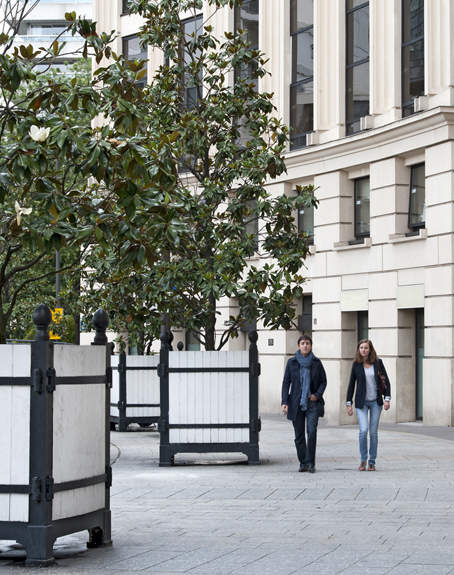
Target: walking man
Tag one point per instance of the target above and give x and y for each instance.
(302, 400)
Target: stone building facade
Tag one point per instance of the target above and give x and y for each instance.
(368, 90)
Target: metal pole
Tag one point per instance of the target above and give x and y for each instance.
(57, 277)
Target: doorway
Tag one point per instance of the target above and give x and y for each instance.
(419, 355)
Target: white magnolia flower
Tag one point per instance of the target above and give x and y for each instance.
(39, 134)
(21, 212)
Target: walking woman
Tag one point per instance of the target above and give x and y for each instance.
(368, 399)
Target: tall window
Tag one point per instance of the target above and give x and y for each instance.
(247, 18)
(251, 226)
(132, 50)
(362, 208)
(357, 81)
(417, 211)
(191, 28)
(412, 53)
(302, 86)
(306, 222)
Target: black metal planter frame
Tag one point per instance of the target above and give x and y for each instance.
(250, 448)
(40, 532)
(122, 419)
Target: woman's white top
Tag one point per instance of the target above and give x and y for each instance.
(371, 384)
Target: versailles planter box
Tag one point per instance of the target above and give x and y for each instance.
(209, 401)
(55, 475)
(135, 390)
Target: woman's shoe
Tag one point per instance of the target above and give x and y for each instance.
(362, 467)
(371, 467)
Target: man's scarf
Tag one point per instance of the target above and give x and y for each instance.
(305, 376)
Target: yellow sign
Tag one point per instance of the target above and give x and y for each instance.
(57, 314)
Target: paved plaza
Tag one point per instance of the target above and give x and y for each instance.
(215, 515)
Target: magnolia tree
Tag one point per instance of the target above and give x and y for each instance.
(215, 145)
(64, 183)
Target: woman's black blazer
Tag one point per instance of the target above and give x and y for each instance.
(359, 377)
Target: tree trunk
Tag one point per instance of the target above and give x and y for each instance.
(210, 331)
(3, 329)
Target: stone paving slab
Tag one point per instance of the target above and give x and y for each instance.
(214, 514)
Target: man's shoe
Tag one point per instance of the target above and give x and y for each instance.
(303, 467)
(311, 468)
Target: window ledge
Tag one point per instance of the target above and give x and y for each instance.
(339, 246)
(399, 238)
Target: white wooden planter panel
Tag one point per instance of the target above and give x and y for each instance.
(79, 361)
(79, 429)
(115, 391)
(196, 398)
(78, 501)
(142, 386)
(15, 435)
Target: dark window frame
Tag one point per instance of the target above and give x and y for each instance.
(360, 317)
(237, 18)
(124, 41)
(197, 17)
(409, 106)
(238, 73)
(360, 235)
(294, 138)
(305, 319)
(416, 226)
(310, 238)
(350, 122)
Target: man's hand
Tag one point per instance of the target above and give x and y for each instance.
(387, 405)
(313, 398)
(285, 408)
(349, 410)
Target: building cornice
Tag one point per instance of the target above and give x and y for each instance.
(399, 138)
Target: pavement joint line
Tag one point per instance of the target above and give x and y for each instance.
(405, 510)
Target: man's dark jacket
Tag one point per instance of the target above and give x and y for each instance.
(291, 386)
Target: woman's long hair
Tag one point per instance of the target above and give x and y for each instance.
(372, 353)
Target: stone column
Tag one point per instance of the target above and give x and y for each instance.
(274, 41)
(329, 69)
(439, 54)
(385, 57)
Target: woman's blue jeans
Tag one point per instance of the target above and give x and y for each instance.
(371, 426)
(309, 419)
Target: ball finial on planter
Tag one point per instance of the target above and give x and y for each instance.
(100, 322)
(42, 316)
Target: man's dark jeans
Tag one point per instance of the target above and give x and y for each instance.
(310, 418)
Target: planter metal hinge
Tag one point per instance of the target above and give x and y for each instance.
(49, 488)
(255, 369)
(162, 425)
(121, 368)
(256, 425)
(36, 489)
(37, 380)
(109, 377)
(51, 374)
(108, 476)
(162, 369)
(121, 405)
